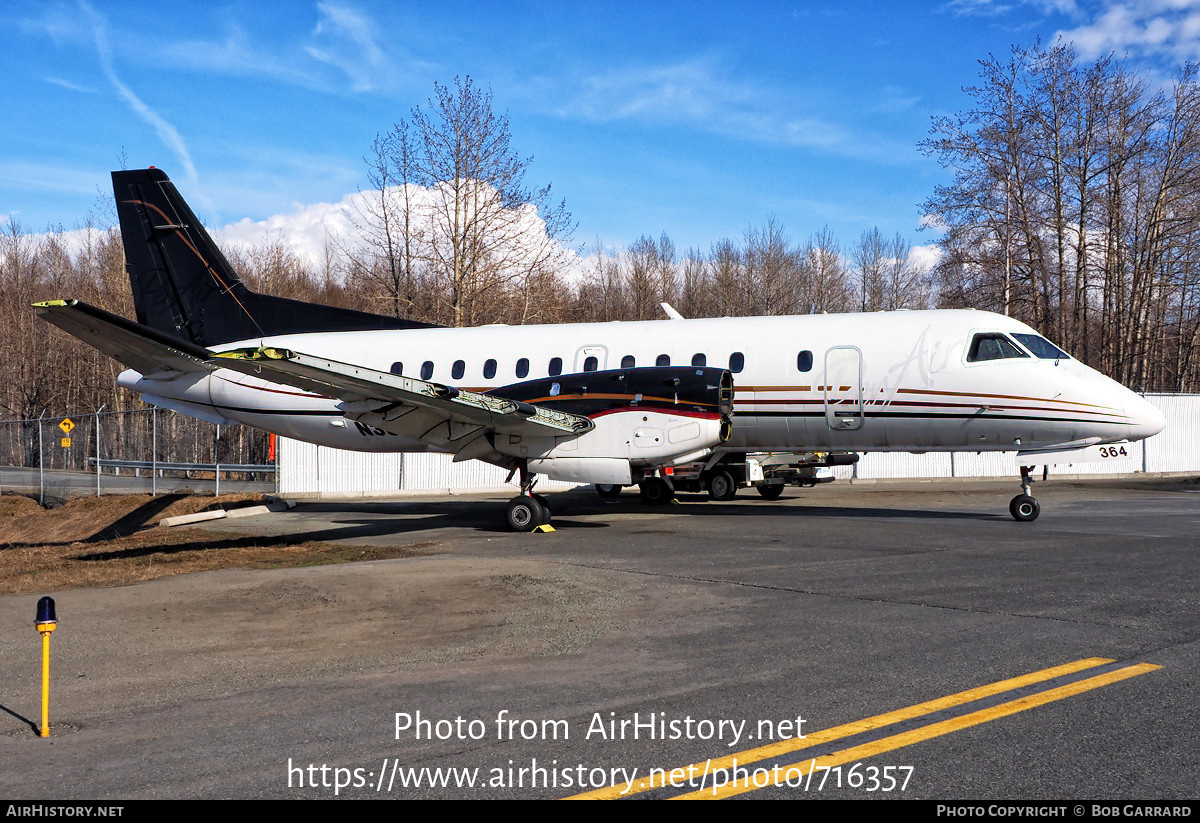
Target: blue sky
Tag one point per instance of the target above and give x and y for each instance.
(691, 118)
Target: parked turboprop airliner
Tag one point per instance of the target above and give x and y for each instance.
(613, 404)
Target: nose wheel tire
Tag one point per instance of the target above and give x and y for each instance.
(525, 513)
(1024, 508)
(608, 490)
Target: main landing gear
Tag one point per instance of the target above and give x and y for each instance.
(657, 491)
(1024, 507)
(527, 511)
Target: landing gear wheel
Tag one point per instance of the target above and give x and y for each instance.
(1024, 508)
(545, 510)
(770, 492)
(524, 514)
(608, 490)
(721, 486)
(656, 491)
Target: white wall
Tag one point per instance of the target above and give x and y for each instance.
(308, 469)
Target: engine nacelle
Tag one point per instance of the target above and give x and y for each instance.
(644, 418)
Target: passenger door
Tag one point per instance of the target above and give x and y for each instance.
(843, 388)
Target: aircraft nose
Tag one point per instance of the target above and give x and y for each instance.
(1145, 419)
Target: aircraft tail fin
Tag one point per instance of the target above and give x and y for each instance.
(183, 285)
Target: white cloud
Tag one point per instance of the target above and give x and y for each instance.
(1153, 28)
(67, 84)
(48, 177)
(894, 99)
(346, 39)
(304, 231)
(998, 8)
(978, 8)
(166, 132)
(924, 258)
(683, 91)
(342, 44)
(236, 55)
(933, 221)
(698, 92)
(309, 230)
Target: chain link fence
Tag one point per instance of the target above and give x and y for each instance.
(152, 450)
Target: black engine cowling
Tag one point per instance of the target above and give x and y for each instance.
(658, 388)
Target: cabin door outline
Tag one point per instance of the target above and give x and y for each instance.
(843, 388)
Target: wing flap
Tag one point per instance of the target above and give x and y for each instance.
(364, 390)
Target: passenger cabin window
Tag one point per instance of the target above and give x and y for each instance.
(699, 360)
(1041, 347)
(523, 367)
(737, 362)
(804, 361)
(628, 361)
(397, 368)
(427, 370)
(591, 363)
(489, 369)
(663, 360)
(555, 366)
(458, 370)
(992, 346)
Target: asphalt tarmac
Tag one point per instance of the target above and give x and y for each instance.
(923, 643)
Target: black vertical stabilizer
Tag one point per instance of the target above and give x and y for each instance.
(184, 286)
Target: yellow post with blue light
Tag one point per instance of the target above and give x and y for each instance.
(46, 622)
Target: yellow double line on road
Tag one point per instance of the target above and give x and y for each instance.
(884, 744)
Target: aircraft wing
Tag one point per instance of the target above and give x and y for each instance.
(431, 412)
(138, 347)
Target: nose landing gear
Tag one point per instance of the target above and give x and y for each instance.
(1024, 507)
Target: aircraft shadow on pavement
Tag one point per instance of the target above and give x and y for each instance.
(571, 510)
(696, 504)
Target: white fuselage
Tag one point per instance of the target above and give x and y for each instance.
(894, 381)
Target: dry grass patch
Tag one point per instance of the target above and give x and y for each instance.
(113, 541)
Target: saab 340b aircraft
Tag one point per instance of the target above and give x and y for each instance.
(614, 404)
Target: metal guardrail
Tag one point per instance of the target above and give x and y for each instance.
(249, 468)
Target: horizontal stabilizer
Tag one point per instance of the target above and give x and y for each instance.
(139, 347)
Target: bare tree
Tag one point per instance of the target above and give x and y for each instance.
(728, 283)
(390, 229)
(826, 283)
(774, 271)
(488, 230)
(887, 278)
(643, 279)
(1075, 208)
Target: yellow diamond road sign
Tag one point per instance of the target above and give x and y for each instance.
(67, 425)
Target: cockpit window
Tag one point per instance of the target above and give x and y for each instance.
(1041, 347)
(992, 346)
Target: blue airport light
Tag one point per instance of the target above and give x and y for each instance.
(45, 611)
